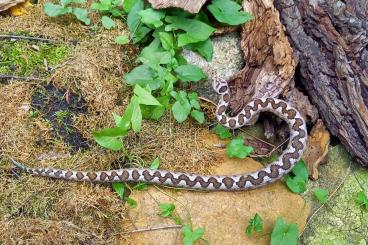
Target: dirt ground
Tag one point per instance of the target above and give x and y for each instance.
(50, 123)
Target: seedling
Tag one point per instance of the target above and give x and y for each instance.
(54, 10)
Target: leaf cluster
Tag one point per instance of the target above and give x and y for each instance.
(65, 7)
(162, 71)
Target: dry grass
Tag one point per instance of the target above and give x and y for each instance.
(43, 211)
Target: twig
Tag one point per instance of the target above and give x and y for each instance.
(22, 78)
(207, 100)
(330, 196)
(273, 150)
(45, 40)
(155, 228)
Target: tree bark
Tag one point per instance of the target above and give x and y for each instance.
(330, 38)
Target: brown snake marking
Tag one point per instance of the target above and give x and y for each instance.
(269, 174)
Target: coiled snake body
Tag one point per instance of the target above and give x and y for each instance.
(269, 174)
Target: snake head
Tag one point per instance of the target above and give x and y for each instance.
(220, 85)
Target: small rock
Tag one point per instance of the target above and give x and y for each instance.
(227, 61)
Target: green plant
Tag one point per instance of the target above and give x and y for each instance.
(33, 113)
(190, 236)
(109, 7)
(119, 188)
(121, 40)
(236, 148)
(162, 72)
(228, 12)
(321, 195)
(298, 178)
(61, 115)
(284, 233)
(155, 164)
(222, 132)
(256, 224)
(64, 7)
(362, 199)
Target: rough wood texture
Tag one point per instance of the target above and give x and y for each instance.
(6, 4)
(192, 6)
(330, 39)
(268, 55)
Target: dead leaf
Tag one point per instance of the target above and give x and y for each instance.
(317, 149)
(20, 9)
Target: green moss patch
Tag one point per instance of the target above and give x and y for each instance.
(24, 58)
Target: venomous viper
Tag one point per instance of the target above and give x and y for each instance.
(269, 174)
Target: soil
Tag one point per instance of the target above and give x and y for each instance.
(59, 107)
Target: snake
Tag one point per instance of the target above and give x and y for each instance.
(237, 182)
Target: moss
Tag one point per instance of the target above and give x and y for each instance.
(341, 220)
(25, 58)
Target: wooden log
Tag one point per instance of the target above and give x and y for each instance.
(330, 38)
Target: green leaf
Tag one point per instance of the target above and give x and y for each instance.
(122, 39)
(189, 236)
(54, 10)
(82, 15)
(227, 11)
(196, 31)
(321, 195)
(236, 148)
(222, 132)
(155, 164)
(204, 48)
(110, 138)
(66, 2)
(140, 33)
(296, 184)
(198, 116)
(152, 17)
(134, 20)
(102, 6)
(167, 209)
(143, 75)
(145, 97)
(107, 22)
(131, 202)
(119, 188)
(181, 108)
(136, 119)
(188, 73)
(298, 178)
(180, 111)
(194, 100)
(167, 40)
(120, 122)
(362, 199)
(128, 4)
(284, 233)
(256, 224)
(140, 187)
(153, 55)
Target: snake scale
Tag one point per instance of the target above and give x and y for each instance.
(269, 174)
